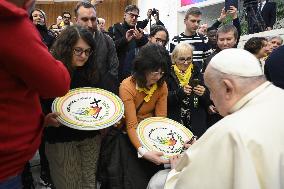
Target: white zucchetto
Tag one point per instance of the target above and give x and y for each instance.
(236, 62)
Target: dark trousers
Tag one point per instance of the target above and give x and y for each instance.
(119, 166)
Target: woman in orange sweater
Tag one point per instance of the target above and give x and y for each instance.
(144, 95)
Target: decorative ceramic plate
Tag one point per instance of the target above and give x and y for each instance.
(88, 108)
(163, 135)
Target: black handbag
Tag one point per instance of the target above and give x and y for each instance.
(119, 166)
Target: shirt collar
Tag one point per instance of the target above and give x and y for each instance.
(243, 101)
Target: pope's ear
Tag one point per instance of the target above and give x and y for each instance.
(229, 88)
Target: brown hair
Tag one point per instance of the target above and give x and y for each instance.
(193, 11)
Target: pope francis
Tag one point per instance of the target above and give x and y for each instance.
(244, 150)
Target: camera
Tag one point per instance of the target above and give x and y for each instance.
(154, 12)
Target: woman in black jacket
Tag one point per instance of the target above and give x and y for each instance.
(73, 154)
(188, 98)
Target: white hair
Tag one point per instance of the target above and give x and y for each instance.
(245, 84)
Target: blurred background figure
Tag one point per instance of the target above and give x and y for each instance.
(274, 42)
(101, 25)
(66, 20)
(258, 46)
(268, 13)
(203, 29)
(38, 18)
(59, 20)
(55, 29)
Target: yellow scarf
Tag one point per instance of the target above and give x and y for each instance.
(148, 92)
(183, 77)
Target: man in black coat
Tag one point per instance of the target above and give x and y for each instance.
(105, 54)
(268, 13)
(127, 38)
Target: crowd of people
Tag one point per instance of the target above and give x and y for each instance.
(229, 98)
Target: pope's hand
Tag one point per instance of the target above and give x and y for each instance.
(155, 157)
(174, 160)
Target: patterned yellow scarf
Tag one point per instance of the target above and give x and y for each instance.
(183, 77)
(148, 92)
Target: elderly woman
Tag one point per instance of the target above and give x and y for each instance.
(144, 95)
(187, 100)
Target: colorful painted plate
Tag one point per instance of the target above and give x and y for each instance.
(163, 135)
(88, 108)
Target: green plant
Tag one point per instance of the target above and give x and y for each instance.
(280, 10)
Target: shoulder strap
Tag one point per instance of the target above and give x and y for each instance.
(139, 107)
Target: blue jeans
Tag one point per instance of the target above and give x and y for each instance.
(12, 183)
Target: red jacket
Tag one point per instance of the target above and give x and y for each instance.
(27, 72)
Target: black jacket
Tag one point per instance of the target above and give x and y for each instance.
(126, 51)
(176, 95)
(268, 14)
(106, 61)
(274, 67)
(48, 37)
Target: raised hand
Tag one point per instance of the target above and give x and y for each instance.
(129, 35)
(233, 11)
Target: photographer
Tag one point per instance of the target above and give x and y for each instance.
(127, 38)
(151, 12)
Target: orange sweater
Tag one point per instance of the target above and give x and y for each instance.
(131, 98)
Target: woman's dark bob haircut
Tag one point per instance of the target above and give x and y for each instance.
(150, 58)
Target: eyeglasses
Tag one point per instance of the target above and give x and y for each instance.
(132, 15)
(66, 17)
(154, 74)
(79, 51)
(158, 40)
(183, 60)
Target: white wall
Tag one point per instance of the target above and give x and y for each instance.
(172, 14)
(168, 12)
(277, 32)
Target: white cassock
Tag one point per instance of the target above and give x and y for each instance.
(245, 150)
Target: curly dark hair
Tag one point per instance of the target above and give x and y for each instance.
(151, 57)
(156, 28)
(254, 44)
(62, 49)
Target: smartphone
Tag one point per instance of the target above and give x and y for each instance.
(229, 3)
(194, 83)
(140, 25)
